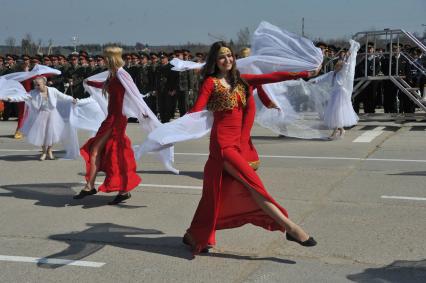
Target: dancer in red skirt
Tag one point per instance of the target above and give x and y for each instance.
(233, 194)
(110, 150)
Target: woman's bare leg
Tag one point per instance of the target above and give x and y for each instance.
(95, 159)
(269, 208)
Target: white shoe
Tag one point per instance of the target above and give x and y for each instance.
(43, 156)
(50, 155)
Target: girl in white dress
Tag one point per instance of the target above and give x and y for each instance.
(44, 125)
(339, 112)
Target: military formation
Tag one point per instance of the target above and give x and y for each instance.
(164, 90)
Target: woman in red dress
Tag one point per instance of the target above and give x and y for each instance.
(110, 150)
(233, 194)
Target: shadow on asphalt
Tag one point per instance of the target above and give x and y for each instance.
(98, 235)
(7, 136)
(244, 257)
(58, 195)
(193, 174)
(398, 271)
(85, 243)
(21, 157)
(414, 173)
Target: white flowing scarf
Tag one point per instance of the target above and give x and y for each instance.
(12, 90)
(38, 70)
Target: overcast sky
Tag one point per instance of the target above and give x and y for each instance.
(179, 21)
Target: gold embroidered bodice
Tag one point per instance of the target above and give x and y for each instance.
(223, 98)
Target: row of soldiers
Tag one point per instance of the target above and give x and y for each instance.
(375, 61)
(163, 89)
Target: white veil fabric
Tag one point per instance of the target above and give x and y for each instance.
(37, 70)
(133, 106)
(12, 90)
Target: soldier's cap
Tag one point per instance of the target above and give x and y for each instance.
(53, 57)
(186, 51)
(143, 54)
(25, 57)
(83, 53)
(73, 55)
(332, 47)
(369, 45)
(199, 54)
(97, 57)
(61, 56)
(162, 54)
(90, 59)
(321, 44)
(46, 58)
(35, 59)
(135, 55)
(394, 45)
(152, 54)
(10, 57)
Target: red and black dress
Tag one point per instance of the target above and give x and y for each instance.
(225, 202)
(117, 159)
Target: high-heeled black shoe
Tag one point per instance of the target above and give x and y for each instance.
(85, 193)
(120, 198)
(308, 243)
(187, 242)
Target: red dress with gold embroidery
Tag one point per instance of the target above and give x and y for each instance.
(117, 158)
(225, 202)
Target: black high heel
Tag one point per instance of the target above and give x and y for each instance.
(85, 193)
(308, 243)
(120, 198)
(187, 240)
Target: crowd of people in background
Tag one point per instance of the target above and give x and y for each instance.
(166, 91)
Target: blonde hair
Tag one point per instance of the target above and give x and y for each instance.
(113, 61)
(113, 58)
(40, 79)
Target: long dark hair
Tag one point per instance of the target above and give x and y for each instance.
(211, 69)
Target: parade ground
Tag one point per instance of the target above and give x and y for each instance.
(363, 198)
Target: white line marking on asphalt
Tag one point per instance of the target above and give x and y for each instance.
(317, 157)
(162, 186)
(285, 156)
(51, 261)
(369, 135)
(401, 197)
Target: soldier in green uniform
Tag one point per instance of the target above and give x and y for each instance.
(2, 67)
(57, 81)
(100, 64)
(152, 100)
(10, 109)
(166, 79)
(74, 77)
